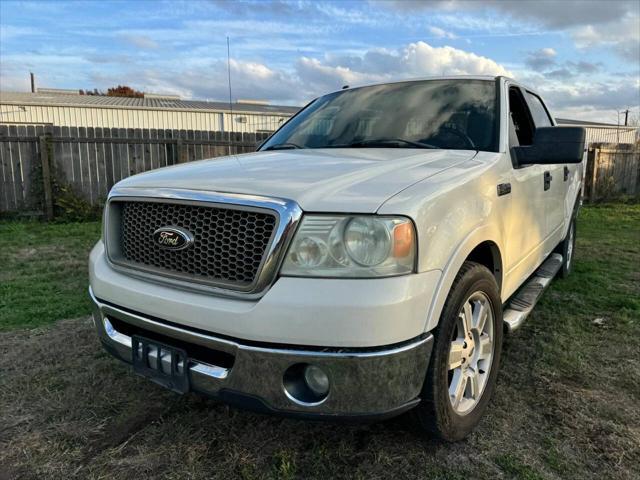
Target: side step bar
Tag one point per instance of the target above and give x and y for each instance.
(522, 303)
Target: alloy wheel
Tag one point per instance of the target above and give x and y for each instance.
(570, 245)
(471, 353)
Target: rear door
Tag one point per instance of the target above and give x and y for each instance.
(555, 178)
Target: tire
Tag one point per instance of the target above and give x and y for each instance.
(439, 413)
(567, 249)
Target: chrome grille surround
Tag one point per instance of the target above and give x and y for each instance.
(286, 213)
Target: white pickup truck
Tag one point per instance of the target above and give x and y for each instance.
(364, 262)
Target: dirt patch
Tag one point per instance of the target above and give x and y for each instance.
(68, 410)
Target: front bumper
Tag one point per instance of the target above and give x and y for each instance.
(364, 382)
(321, 312)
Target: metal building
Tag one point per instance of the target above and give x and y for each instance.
(61, 109)
(604, 132)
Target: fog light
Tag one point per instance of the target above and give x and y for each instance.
(305, 384)
(109, 328)
(316, 380)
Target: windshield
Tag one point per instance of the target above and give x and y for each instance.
(444, 114)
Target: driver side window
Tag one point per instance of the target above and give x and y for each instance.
(521, 126)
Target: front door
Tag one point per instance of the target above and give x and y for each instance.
(526, 225)
(555, 178)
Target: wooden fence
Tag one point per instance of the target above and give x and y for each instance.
(612, 171)
(38, 161)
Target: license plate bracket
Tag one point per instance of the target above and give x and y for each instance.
(161, 363)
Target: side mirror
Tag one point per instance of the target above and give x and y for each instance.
(553, 145)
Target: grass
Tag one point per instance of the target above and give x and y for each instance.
(43, 276)
(565, 406)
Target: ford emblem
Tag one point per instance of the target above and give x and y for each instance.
(173, 238)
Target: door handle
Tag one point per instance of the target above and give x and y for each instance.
(566, 173)
(547, 180)
(504, 189)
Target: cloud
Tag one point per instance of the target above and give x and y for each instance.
(573, 70)
(14, 81)
(544, 62)
(141, 41)
(622, 36)
(317, 77)
(550, 13)
(565, 13)
(208, 80)
(539, 59)
(102, 59)
(417, 59)
(423, 59)
(591, 24)
(580, 89)
(290, 51)
(10, 32)
(441, 33)
(608, 95)
(584, 96)
(198, 77)
(586, 67)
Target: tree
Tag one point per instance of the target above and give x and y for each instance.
(119, 91)
(124, 91)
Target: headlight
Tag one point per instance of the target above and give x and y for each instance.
(351, 246)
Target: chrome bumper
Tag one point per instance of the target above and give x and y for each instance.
(363, 382)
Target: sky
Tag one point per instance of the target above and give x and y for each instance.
(583, 56)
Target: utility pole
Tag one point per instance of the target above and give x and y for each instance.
(230, 100)
(33, 82)
(626, 116)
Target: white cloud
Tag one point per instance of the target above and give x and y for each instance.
(14, 81)
(417, 59)
(9, 32)
(423, 59)
(585, 97)
(613, 24)
(141, 41)
(198, 76)
(441, 33)
(623, 36)
(208, 80)
(319, 78)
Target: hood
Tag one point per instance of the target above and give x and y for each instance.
(320, 180)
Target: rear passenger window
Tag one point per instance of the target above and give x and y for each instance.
(538, 112)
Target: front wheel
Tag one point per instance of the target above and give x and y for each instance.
(466, 356)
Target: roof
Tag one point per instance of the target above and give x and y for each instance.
(490, 78)
(47, 99)
(567, 121)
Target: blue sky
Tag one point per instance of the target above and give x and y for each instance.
(583, 55)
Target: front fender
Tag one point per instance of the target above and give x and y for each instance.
(459, 253)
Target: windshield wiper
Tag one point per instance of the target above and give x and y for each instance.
(283, 146)
(386, 142)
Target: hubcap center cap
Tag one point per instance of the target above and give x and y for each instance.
(467, 351)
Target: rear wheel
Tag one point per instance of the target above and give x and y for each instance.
(466, 356)
(567, 249)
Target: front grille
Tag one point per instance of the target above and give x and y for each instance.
(229, 243)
